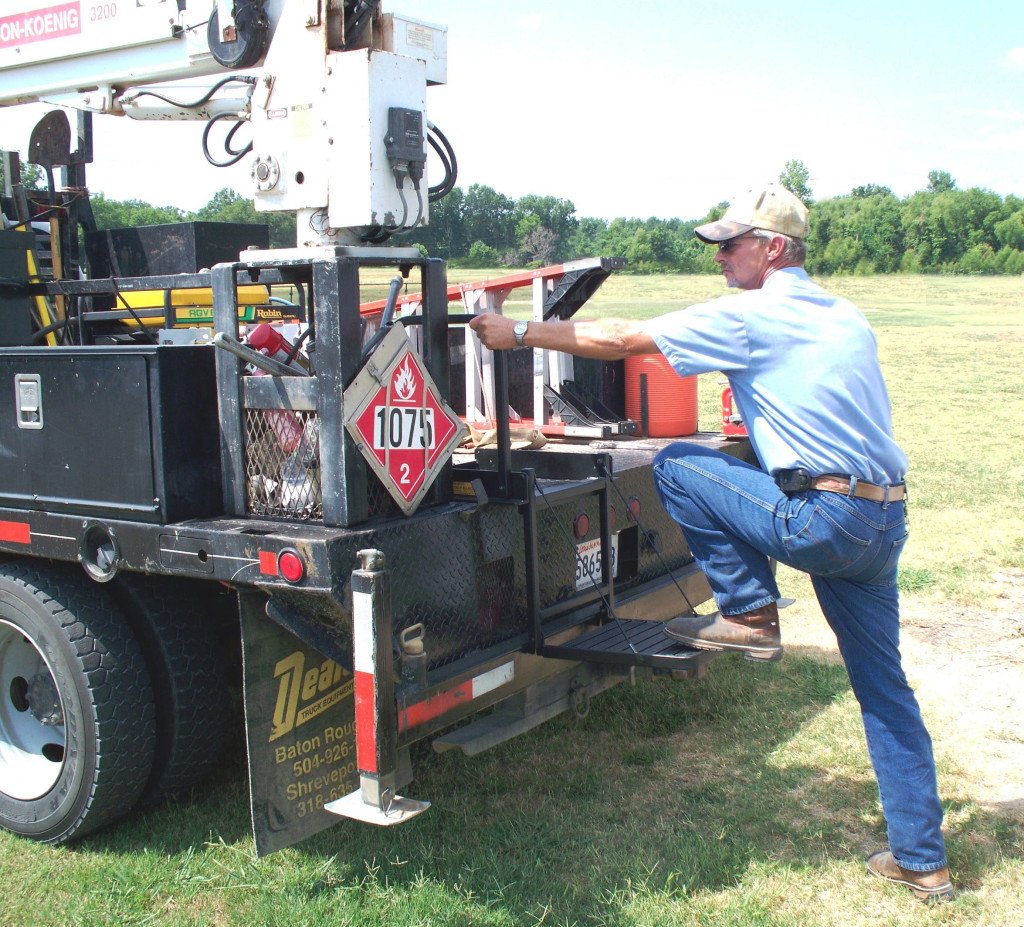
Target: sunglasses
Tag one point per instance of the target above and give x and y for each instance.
(726, 246)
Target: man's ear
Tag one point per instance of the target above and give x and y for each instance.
(775, 248)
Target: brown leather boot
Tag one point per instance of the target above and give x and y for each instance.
(755, 634)
(930, 887)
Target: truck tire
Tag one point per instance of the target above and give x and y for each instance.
(175, 625)
(76, 708)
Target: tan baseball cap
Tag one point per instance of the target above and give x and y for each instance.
(774, 208)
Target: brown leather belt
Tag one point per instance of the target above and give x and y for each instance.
(862, 490)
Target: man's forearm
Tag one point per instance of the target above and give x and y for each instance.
(604, 339)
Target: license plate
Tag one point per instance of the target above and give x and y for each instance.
(588, 562)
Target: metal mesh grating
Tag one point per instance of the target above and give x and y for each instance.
(282, 464)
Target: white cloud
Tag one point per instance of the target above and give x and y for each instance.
(1004, 113)
(1015, 58)
(534, 22)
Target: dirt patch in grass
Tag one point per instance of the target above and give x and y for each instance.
(967, 665)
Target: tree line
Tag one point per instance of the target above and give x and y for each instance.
(941, 229)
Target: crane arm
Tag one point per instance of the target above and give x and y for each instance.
(335, 101)
(85, 53)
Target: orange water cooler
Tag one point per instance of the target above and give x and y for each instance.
(671, 400)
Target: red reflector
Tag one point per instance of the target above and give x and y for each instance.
(634, 508)
(581, 526)
(291, 566)
(17, 532)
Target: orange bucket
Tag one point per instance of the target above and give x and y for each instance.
(671, 399)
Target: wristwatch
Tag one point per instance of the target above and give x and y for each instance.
(519, 330)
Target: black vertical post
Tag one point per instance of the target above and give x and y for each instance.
(335, 302)
(504, 446)
(229, 391)
(79, 210)
(435, 347)
(533, 604)
(169, 319)
(604, 469)
(435, 323)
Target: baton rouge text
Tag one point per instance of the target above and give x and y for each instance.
(315, 767)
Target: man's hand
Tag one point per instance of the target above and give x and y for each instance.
(494, 331)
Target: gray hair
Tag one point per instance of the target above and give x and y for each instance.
(795, 250)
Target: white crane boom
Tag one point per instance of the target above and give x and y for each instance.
(334, 91)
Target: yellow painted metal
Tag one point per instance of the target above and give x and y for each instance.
(42, 306)
(201, 297)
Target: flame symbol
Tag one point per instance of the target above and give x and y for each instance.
(405, 381)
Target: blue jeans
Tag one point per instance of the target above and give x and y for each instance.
(735, 519)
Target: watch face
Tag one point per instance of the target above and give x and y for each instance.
(519, 330)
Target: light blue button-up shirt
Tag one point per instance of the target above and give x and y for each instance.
(804, 371)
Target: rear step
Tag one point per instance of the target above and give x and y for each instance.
(611, 642)
(600, 651)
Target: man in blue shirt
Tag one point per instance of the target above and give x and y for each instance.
(828, 499)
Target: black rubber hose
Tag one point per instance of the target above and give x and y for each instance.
(236, 155)
(205, 98)
(452, 170)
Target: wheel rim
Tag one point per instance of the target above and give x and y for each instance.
(32, 737)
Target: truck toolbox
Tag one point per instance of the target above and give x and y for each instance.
(122, 432)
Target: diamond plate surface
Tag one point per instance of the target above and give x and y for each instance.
(463, 575)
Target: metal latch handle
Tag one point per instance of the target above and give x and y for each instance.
(28, 400)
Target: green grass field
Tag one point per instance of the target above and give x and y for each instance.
(745, 799)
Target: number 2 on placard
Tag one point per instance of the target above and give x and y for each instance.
(405, 471)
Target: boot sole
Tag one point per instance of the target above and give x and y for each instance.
(754, 654)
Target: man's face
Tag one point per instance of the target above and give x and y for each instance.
(744, 260)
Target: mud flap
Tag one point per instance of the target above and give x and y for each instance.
(299, 728)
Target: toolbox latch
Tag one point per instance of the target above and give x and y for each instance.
(28, 395)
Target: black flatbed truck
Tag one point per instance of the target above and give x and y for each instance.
(137, 539)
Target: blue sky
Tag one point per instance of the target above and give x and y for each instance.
(671, 107)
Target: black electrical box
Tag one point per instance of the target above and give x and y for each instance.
(404, 141)
(177, 248)
(119, 432)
